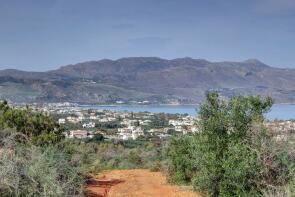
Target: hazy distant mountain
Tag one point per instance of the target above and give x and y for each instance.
(182, 80)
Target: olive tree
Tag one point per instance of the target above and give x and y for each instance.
(228, 163)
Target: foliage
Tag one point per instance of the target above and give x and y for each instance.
(181, 166)
(160, 121)
(40, 128)
(94, 157)
(108, 125)
(28, 170)
(233, 154)
(224, 128)
(35, 160)
(96, 138)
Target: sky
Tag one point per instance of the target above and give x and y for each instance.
(41, 35)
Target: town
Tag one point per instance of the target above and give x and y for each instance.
(85, 123)
(80, 122)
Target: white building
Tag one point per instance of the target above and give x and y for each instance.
(72, 119)
(137, 132)
(194, 129)
(178, 128)
(80, 134)
(92, 117)
(61, 121)
(80, 118)
(130, 132)
(88, 125)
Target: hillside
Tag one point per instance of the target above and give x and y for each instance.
(183, 80)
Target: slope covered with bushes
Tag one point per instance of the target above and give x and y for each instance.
(233, 154)
(36, 159)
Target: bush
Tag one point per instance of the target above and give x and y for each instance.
(134, 157)
(241, 170)
(28, 170)
(156, 166)
(181, 166)
(233, 155)
(36, 126)
(95, 157)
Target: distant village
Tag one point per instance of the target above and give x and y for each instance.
(82, 123)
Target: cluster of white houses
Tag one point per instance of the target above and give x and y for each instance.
(131, 132)
(282, 130)
(127, 133)
(131, 125)
(79, 134)
(89, 125)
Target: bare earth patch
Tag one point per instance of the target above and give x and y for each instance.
(135, 183)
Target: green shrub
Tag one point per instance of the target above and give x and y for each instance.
(232, 155)
(28, 170)
(134, 158)
(95, 157)
(241, 170)
(38, 127)
(181, 165)
(156, 166)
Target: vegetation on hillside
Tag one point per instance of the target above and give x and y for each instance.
(233, 154)
(36, 159)
(36, 126)
(30, 170)
(31, 162)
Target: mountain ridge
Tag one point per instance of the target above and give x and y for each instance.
(157, 80)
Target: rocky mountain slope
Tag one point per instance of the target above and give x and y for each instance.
(156, 80)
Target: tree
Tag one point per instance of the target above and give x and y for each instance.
(225, 127)
(97, 138)
(230, 156)
(38, 127)
(181, 165)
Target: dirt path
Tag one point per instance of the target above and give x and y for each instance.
(135, 183)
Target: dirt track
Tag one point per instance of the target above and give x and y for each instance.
(135, 183)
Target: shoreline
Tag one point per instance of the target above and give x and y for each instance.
(156, 105)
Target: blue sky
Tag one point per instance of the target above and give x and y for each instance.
(46, 34)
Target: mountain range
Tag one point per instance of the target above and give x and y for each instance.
(150, 79)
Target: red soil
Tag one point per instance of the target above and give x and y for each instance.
(134, 183)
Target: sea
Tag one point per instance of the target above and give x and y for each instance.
(278, 111)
